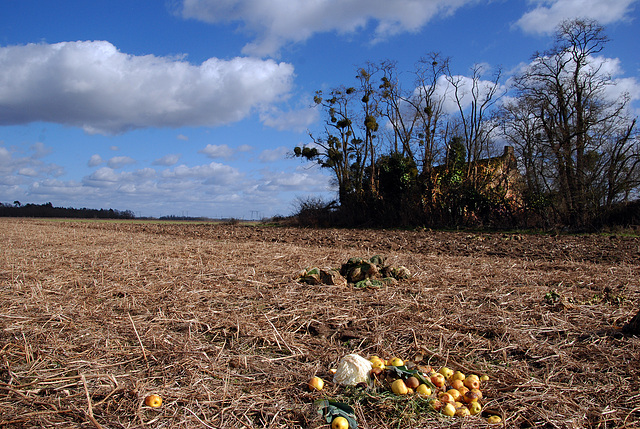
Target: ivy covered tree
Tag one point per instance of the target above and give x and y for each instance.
(341, 147)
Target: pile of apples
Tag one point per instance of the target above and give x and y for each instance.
(452, 393)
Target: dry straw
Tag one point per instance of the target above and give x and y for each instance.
(95, 316)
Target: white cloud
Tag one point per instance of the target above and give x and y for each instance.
(167, 160)
(101, 177)
(182, 137)
(95, 160)
(5, 157)
(277, 22)
(306, 179)
(271, 155)
(445, 89)
(40, 150)
(94, 86)
(13, 163)
(120, 161)
(217, 151)
(213, 173)
(28, 171)
(56, 188)
(295, 120)
(547, 14)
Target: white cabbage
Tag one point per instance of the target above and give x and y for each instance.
(352, 369)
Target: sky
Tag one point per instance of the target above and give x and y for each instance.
(193, 107)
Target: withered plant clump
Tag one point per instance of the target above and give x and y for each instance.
(94, 316)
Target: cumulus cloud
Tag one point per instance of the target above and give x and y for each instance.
(92, 85)
(167, 160)
(547, 14)
(445, 90)
(217, 151)
(308, 179)
(15, 162)
(212, 174)
(28, 171)
(277, 22)
(295, 120)
(95, 160)
(120, 161)
(271, 155)
(40, 150)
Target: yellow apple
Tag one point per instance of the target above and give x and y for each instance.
(457, 376)
(494, 420)
(462, 412)
(446, 372)
(475, 408)
(399, 387)
(423, 390)
(376, 362)
(340, 423)
(395, 362)
(455, 394)
(448, 410)
(316, 383)
(153, 401)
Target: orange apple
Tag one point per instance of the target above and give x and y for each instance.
(316, 383)
(457, 384)
(462, 412)
(471, 396)
(472, 382)
(438, 380)
(445, 397)
(153, 401)
(455, 394)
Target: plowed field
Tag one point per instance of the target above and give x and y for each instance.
(94, 316)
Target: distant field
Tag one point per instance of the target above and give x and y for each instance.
(96, 315)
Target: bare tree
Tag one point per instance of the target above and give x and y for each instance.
(429, 106)
(475, 98)
(582, 135)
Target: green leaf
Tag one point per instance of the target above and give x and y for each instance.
(331, 409)
(404, 373)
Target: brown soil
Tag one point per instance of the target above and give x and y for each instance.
(95, 316)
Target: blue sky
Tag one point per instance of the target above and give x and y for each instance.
(190, 106)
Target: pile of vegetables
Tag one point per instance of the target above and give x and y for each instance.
(449, 392)
(360, 272)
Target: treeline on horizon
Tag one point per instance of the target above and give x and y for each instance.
(551, 148)
(47, 210)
